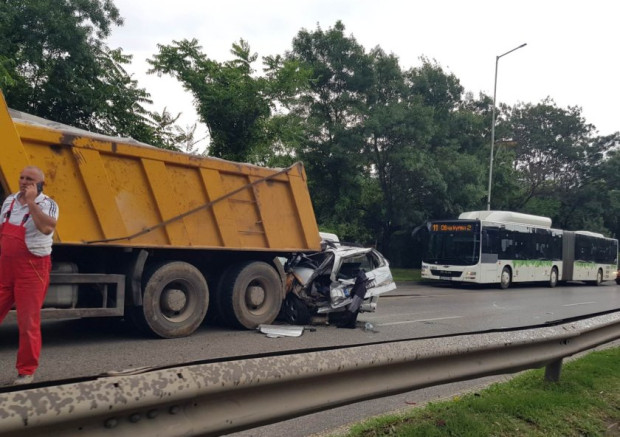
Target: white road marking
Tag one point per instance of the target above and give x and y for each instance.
(579, 303)
(419, 320)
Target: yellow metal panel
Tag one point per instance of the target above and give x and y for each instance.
(166, 203)
(133, 200)
(270, 228)
(248, 223)
(279, 216)
(186, 187)
(97, 185)
(244, 210)
(303, 207)
(222, 212)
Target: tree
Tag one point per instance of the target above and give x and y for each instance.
(385, 149)
(555, 149)
(397, 127)
(563, 169)
(609, 172)
(236, 105)
(54, 63)
(332, 110)
(457, 139)
(171, 136)
(595, 206)
(438, 170)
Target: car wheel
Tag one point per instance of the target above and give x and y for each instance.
(295, 311)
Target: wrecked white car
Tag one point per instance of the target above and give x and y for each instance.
(339, 281)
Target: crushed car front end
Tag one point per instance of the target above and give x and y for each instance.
(328, 282)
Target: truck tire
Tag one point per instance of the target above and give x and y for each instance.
(249, 294)
(175, 300)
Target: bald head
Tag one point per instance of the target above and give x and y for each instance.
(33, 169)
(31, 176)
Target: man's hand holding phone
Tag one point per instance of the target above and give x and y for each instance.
(32, 191)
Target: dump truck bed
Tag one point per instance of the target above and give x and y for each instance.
(114, 191)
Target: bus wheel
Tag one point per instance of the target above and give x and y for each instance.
(506, 278)
(599, 278)
(250, 294)
(553, 279)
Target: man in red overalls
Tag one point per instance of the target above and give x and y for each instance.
(27, 223)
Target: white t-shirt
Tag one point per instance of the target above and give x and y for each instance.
(38, 243)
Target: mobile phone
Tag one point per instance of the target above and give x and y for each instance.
(39, 187)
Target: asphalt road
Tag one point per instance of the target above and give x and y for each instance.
(82, 348)
(441, 310)
(79, 348)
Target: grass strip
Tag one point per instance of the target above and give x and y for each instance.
(404, 275)
(585, 402)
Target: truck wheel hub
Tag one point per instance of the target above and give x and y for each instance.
(256, 295)
(173, 300)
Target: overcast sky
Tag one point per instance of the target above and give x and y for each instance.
(572, 53)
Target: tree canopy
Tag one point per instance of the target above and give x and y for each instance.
(238, 107)
(54, 63)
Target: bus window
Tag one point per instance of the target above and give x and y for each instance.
(507, 248)
(490, 240)
(543, 244)
(595, 249)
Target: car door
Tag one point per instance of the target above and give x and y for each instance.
(380, 276)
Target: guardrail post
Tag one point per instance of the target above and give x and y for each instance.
(553, 370)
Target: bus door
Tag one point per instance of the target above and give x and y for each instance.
(489, 258)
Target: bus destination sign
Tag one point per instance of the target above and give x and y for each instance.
(452, 227)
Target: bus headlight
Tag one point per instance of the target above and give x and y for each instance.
(469, 275)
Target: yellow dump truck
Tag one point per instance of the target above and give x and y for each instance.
(156, 235)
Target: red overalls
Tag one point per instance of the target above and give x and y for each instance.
(24, 278)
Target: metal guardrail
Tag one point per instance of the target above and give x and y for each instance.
(222, 397)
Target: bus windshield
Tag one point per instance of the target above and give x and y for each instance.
(454, 243)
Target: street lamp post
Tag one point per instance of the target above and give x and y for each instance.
(493, 123)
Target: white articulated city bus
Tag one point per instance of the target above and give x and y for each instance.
(502, 247)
